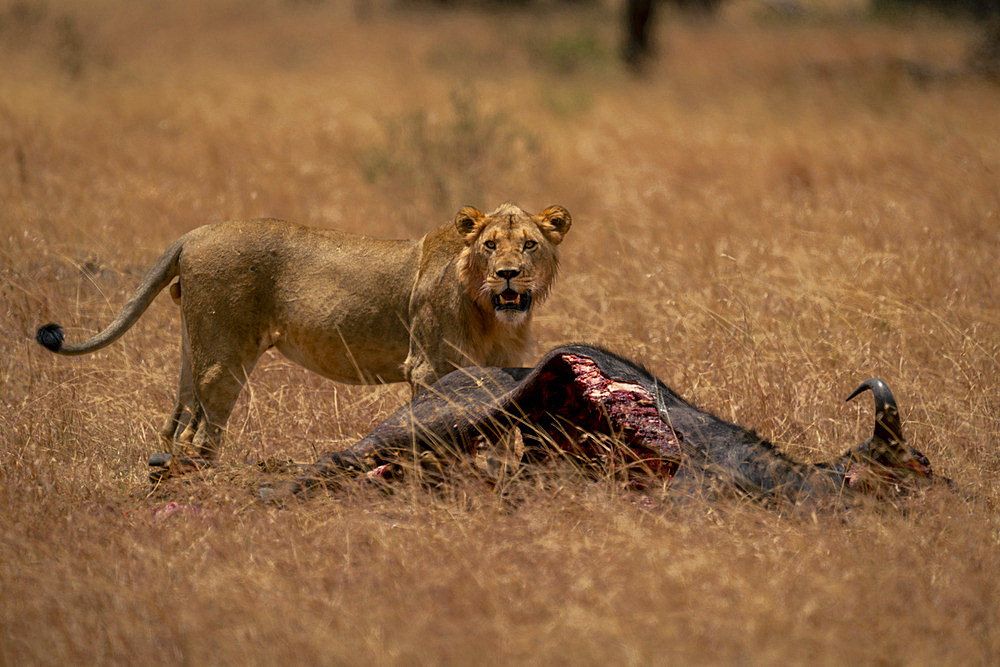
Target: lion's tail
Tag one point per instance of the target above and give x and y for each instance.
(51, 335)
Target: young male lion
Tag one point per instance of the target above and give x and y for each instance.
(353, 308)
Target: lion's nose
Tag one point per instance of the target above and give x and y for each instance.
(507, 274)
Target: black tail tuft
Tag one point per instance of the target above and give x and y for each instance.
(50, 336)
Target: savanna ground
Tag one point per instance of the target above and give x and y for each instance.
(778, 209)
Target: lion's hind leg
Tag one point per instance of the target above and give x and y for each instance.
(224, 337)
(185, 404)
(217, 385)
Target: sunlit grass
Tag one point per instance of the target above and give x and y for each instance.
(775, 211)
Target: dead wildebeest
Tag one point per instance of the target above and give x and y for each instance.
(593, 404)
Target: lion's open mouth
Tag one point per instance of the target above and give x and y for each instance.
(511, 300)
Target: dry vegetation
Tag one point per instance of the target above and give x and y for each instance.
(776, 211)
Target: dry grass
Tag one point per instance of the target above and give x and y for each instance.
(778, 210)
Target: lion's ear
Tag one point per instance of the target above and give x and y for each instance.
(469, 221)
(554, 222)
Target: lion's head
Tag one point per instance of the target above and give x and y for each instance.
(509, 261)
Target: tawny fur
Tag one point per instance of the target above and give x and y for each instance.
(352, 308)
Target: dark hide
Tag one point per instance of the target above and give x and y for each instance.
(576, 391)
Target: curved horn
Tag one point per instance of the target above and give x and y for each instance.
(887, 426)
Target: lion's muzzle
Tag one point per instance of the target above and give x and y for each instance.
(510, 299)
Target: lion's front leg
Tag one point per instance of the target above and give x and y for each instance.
(422, 370)
(419, 368)
(419, 372)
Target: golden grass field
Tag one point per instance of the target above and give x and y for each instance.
(777, 210)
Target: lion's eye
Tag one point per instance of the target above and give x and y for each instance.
(529, 244)
(491, 245)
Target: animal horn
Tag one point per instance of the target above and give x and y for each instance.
(887, 426)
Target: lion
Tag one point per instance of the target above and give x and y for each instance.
(353, 308)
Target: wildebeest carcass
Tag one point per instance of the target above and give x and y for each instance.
(593, 404)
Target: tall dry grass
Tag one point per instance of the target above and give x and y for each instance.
(776, 211)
